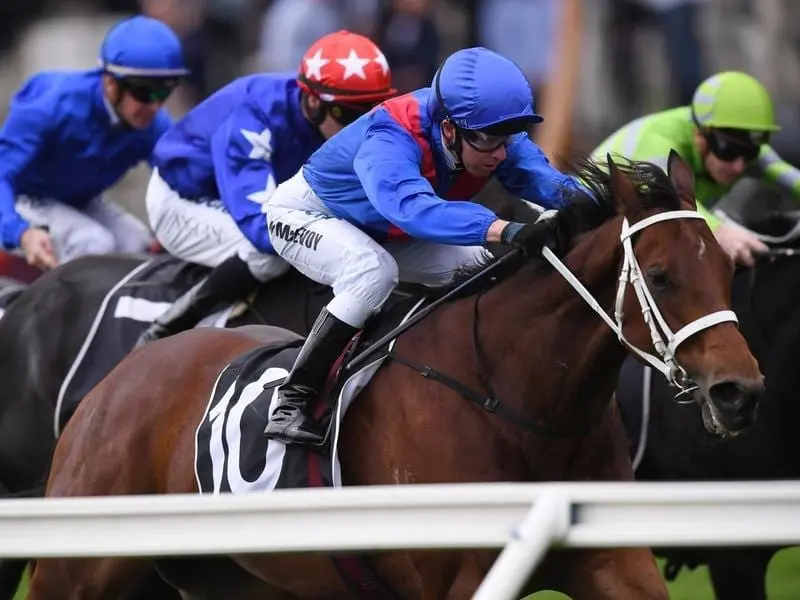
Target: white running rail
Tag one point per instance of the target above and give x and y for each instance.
(524, 519)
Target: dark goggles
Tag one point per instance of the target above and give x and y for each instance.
(484, 142)
(729, 145)
(344, 114)
(148, 90)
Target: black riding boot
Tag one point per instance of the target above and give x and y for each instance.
(228, 282)
(291, 423)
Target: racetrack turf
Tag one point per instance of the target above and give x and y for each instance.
(783, 582)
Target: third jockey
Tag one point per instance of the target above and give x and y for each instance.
(388, 199)
(217, 167)
(69, 136)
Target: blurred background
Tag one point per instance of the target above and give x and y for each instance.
(595, 64)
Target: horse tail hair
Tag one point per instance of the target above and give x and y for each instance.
(12, 570)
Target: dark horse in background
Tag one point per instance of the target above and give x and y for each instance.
(44, 327)
(766, 299)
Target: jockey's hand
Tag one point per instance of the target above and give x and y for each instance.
(532, 237)
(739, 243)
(38, 248)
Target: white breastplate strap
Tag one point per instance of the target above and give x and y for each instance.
(664, 340)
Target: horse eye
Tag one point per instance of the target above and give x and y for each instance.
(658, 279)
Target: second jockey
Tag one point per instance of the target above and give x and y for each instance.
(388, 199)
(217, 167)
(70, 135)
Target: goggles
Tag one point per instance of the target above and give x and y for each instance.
(483, 142)
(730, 144)
(344, 114)
(148, 90)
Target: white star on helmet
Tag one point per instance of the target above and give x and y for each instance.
(314, 65)
(381, 60)
(353, 65)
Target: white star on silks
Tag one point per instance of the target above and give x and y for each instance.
(353, 65)
(262, 143)
(381, 60)
(314, 65)
(262, 196)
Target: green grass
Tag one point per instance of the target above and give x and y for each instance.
(783, 582)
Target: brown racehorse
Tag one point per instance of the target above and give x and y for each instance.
(529, 337)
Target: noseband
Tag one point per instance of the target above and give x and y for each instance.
(665, 341)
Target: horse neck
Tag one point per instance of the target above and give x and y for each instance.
(562, 358)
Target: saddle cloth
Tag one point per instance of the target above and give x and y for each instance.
(127, 310)
(232, 455)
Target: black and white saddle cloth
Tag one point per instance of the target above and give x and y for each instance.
(127, 310)
(232, 455)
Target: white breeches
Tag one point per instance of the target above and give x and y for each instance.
(100, 227)
(361, 271)
(203, 233)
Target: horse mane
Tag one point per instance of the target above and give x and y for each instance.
(584, 212)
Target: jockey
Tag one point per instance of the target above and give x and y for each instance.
(70, 135)
(216, 167)
(388, 199)
(724, 135)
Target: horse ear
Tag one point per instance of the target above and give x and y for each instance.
(682, 177)
(623, 190)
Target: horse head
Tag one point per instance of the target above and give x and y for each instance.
(680, 312)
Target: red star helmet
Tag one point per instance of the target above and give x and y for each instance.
(346, 68)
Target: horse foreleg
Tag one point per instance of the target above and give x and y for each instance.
(436, 571)
(740, 573)
(88, 579)
(611, 574)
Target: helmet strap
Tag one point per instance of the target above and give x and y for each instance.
(454, 147)
(113, 103)
(315, 116)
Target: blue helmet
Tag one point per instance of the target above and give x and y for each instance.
(478, 89)
(142, 47)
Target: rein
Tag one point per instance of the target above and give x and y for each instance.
(774, 253)
(488, 400)
(362, 357)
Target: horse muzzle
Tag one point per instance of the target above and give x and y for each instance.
(730, 407)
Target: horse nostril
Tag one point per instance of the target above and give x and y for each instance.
(730, 394)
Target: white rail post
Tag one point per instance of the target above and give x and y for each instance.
(547, 521)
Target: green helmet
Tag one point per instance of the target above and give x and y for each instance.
(733, 100)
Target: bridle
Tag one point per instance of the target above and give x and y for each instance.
(665, 341)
